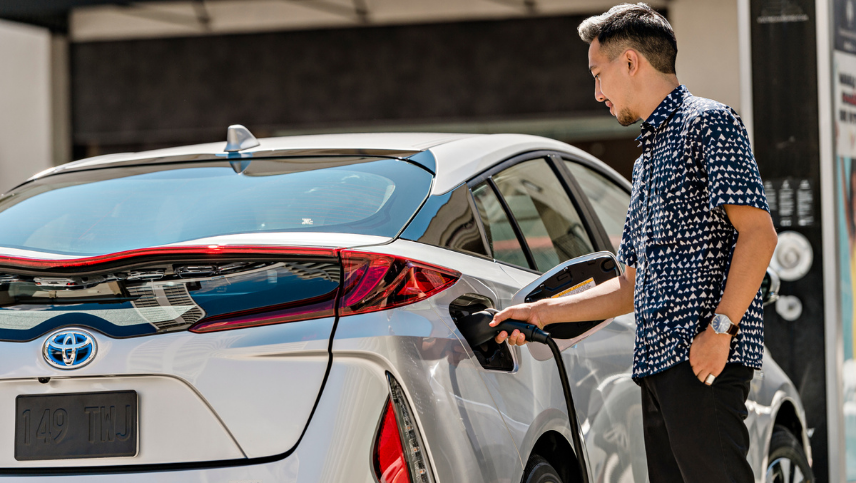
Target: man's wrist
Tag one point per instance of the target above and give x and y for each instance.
(732, 314)
(543, 308)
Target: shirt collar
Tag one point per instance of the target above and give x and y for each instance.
(664, 110)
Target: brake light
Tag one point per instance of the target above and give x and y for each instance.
(390, 464)
(376, 282)
(373, 282)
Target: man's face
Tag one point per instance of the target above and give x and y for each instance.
(611, 84)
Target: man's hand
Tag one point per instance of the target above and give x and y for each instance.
(529, 313)
(709, 353)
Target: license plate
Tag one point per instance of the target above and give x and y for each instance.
(81, 425)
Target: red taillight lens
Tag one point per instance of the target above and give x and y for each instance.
(376, 282)
(390, 464)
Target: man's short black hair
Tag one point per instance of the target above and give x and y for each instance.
(637, 27)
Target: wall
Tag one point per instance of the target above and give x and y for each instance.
(708, 50)
(25, 99)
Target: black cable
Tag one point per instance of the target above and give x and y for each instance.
(572, 413)
(476, 330)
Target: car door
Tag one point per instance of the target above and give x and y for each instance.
(551, 219)
(616, 431)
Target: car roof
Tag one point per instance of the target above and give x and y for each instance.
(457, 157)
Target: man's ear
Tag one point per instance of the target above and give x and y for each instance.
(631, 60)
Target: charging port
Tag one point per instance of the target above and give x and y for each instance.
(491, 356)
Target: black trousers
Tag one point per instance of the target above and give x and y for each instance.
(695, 433)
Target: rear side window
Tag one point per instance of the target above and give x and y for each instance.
(448, 221)
(500, 234)
(609, 200)
(112, 210)
(553, 229)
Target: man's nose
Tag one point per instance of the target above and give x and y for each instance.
(598, 95)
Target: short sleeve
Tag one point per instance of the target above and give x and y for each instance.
(733, 177)
(626, 251)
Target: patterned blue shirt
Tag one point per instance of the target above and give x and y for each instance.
(696, 158)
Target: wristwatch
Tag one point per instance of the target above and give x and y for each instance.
(723, 325)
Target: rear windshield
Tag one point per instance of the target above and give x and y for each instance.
(112, 210)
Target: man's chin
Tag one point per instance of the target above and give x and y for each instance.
(624, 121)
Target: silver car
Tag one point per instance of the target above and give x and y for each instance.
(285, 310)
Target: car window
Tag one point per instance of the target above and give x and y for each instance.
(117, 209)
(500, 234)
(609, 200)
(448, 221)
(539, 203)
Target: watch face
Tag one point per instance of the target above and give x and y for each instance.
(720, 324)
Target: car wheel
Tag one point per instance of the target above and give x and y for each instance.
(787, 463)
(539, 470)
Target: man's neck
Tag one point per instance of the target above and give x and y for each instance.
(654, 93)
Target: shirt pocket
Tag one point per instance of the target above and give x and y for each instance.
(665, 184)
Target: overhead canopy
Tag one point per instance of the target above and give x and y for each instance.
(52, 14)
(88, 20)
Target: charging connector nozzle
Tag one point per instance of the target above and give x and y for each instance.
(477, 330)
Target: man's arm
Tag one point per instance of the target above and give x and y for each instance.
(755, 245)
(609, 299)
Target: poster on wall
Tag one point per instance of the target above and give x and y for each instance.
(844, 85)
(844, 92)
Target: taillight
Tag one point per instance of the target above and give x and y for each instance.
(376, 282)
(372, 282)
(389, 462)
(399, 454)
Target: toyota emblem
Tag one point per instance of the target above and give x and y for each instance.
(69, 348)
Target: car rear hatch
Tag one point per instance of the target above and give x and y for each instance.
(154, 315)
(159, 324)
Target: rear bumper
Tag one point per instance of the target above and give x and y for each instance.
(336, 446)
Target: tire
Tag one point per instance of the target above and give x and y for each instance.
(787, 462)
(538, 470)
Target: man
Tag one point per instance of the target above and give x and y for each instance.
(691, 281)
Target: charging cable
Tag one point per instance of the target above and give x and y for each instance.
(476, 330)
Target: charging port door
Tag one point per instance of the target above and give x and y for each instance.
(571, 277)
